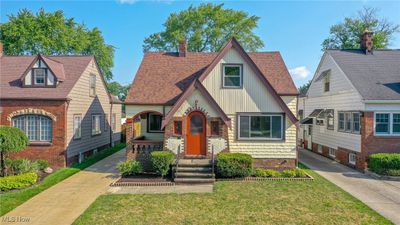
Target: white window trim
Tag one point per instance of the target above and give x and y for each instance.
(351, 130)
(351, 160)
(334, 151)
(240, 75)
(259, 138)
(391, 133)
(94, 133)
(80, 126)
(34, 76)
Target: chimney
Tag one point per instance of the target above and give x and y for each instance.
(1, 49)
(182, 48)
(366, 43)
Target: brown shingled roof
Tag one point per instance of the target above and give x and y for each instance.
(162, 77)
(13, 67)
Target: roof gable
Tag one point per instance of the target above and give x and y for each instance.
(233, 44)
(56, 68)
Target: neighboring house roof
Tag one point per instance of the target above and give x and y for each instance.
(66, 68)
(115, 99)
(233, 43)
(163, 77)
(376, 76)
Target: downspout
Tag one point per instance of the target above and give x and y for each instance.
(109, 124)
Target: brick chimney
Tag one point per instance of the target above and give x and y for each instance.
(366, 43)
(182, 48)
(1, 49)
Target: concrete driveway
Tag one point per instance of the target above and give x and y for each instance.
(67, 200)
(382, 196)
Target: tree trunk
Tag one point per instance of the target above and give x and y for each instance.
(3, 165)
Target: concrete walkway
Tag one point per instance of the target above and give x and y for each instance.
(65, 201)
(382, 196)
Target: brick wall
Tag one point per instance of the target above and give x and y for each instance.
(277, 164)
(53, 153)
(371, 144)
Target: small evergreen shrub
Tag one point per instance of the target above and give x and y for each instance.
(17, 181)
(234, 165)
(20, 166)
(299, 172)
(161, 161)
(130, 167)
(289, 173)
(381, 163)
(42, 164)
(391, 172)
(261, 172)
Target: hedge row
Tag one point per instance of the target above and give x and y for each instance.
(385, 163)
(18, 181)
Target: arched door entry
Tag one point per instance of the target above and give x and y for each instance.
(196, 134)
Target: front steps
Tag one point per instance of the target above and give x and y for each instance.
(194, 171)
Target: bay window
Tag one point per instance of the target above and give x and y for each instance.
(260, 127)
(387, 123)
(36, 127)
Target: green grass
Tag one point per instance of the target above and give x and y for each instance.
(262, 202)
(10, 200)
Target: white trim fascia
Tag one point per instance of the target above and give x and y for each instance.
(381, 101)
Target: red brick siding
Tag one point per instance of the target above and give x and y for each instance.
(371, 144)
(278, 164)
(55, 153)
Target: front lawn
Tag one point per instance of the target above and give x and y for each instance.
(262, 202)
(10, 200)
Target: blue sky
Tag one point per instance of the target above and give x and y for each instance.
(295, 28)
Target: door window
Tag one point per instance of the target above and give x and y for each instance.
(196, 124)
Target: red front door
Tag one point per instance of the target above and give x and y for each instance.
(196, 134)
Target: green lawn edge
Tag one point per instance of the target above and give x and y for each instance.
(159, 205)
(11, 200)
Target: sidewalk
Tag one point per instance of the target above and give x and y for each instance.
(382, 196)
(67, 200)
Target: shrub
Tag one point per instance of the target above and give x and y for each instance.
(17, 181)
(130, 167)
(42, 164)
(260, 172)
(382, 162)
(234, 165)
(19, 166)
(12, 139)
(161, 161)
(289, 173)
(391, 172)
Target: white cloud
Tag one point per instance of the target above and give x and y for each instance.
(299, 72)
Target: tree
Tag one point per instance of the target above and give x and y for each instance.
(11, 140)
(53, 34)
(346, 35)
(118, 90)
(304, 88)
(206, 27)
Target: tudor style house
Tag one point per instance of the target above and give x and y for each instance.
(61, 103)
(199, 103)
(352, 108)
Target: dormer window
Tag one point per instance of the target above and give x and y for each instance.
(39, 76)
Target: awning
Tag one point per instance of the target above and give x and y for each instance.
(307, 120)
(315, 113)
(325, 113)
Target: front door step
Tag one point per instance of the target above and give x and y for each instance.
(194, 171)
(183, 180)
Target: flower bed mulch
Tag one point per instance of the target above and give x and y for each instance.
(308, 177)
(146, 179)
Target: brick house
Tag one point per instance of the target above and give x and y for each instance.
(199, 103)
(352, 108)
(61, 103)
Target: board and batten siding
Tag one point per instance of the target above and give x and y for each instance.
(85, 105)
(341, 97)
(252, 97)
(202, 103)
